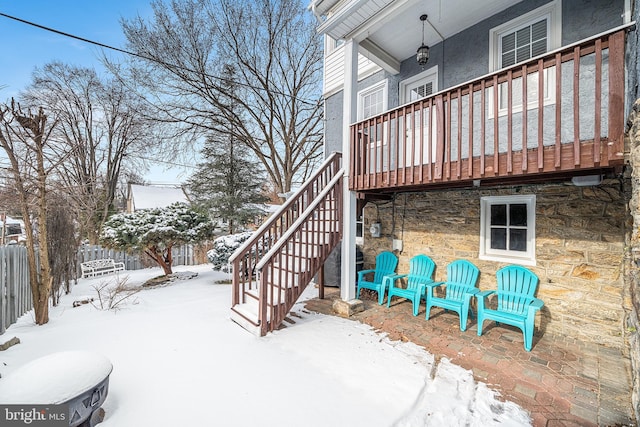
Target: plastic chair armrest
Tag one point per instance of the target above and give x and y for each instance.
(484, 294)
(536, 304)
(433, 284)
(361, 273)
(393, 277)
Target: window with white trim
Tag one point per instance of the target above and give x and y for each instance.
(532, 39)
(507, 229)
(530, 35)
(419, 86)
(372, 100)
(331, 44)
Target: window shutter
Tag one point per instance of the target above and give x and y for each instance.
(421, 91)
(539, 38)
(524, 43)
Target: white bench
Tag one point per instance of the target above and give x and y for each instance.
(98, 267)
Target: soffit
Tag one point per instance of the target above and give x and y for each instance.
(394, 25)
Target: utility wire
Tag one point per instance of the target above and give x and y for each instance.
(173, 163)
(147, 58)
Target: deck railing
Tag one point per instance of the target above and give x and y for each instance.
(560, 112)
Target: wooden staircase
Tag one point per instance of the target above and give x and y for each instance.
(273, 268)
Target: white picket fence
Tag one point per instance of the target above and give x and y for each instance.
(15, 292)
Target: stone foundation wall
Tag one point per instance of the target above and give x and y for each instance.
(633, 276)
(580, 244)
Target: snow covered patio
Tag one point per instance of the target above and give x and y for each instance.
(178, 360)
(562, 381)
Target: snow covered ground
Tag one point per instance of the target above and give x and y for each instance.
(179, 361)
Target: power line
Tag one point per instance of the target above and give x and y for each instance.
(173, 163)
(147, 58)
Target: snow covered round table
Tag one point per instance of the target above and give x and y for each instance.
(77, 378)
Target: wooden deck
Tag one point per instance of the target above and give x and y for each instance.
(560, 114)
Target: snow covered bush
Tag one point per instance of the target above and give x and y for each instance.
(224, 247)
(156, 231)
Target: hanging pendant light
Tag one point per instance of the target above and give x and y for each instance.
(422, 56)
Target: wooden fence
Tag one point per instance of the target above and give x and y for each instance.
(182, 255)
(15, 293)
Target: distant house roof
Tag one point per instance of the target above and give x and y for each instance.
(15, 229)
(10, 220)
(149, 197)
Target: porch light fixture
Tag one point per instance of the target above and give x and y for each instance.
(422, 56)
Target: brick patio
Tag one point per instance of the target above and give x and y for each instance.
(561, 382)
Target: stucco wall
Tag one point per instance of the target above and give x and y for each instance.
(580, 242)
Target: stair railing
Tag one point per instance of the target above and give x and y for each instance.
(245, 258)
(289, 266)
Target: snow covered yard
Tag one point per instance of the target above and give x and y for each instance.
(179, 361)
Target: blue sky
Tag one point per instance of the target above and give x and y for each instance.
(25, 47)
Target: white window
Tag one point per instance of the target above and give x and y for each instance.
(531, 39)
(419, 86)
(519, 40)
(372, 100)
(507, 229)
(331, 44)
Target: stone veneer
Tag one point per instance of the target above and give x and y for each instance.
(580, 246)
(633, 276)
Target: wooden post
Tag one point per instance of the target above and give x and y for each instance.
(321, 283)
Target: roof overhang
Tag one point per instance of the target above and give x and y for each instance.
(390, 31)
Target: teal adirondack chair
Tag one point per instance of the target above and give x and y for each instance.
(517, 305)
(421, 269)
(460, 287)
(386, 263)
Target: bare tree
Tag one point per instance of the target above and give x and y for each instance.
(273, 46)
(103, 128)
(25, 136)
(63, 247)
